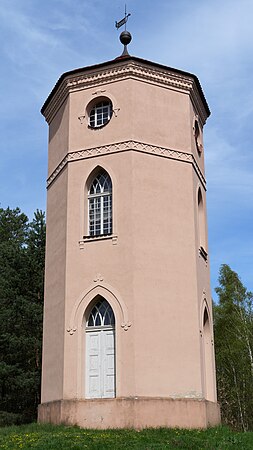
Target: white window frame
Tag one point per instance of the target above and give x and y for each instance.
(101, 195)
(101, 110)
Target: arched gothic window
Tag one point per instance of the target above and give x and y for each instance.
(100, 205)
(101, 315)
(201, 214)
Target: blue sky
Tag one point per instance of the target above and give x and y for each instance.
(213, 39)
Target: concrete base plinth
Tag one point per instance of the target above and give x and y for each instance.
(137, 412)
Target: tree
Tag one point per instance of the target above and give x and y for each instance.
(233, 325)
(22, 250)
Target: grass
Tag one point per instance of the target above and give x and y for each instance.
(49, 437)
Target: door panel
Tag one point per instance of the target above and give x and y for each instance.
(93, 364)
(109, 363)
(100, 364)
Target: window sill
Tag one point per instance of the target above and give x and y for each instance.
(98, 127)
(203, 253)
(102, 237)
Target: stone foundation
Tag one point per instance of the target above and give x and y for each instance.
(137, 412)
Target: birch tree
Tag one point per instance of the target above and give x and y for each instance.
(233, 324)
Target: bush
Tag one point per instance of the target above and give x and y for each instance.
(7, 419)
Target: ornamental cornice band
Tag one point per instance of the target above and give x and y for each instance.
(127, 146)
(128, 70)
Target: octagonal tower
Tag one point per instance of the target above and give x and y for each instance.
(128, 335)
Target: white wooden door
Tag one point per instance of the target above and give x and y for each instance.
(109, 364)
(100, 363)
(93, 387)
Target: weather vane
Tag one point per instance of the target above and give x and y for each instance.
(125, 36)
(122, 21)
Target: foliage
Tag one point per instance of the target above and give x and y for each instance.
(233, 324)
(49, 437)
(22, 250)
(7, 419)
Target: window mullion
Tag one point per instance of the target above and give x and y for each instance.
(102, 215)
(110, 215)
(89, 216)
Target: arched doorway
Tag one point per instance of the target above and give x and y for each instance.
(100, 351)
(207, 341)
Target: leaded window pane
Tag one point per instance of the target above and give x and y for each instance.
(101, 315)
(100, 205)
(91, 321)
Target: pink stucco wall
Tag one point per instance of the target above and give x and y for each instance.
(151, 270)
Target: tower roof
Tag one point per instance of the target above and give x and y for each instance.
(127, 60)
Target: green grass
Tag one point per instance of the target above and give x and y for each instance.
(49, 437)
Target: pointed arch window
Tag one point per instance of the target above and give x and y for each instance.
(202, 225)
(101, 315)
(100, 205)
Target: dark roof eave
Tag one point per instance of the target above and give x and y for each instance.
(125, 58)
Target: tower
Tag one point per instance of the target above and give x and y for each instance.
(128, 338)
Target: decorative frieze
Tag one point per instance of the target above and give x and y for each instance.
(160, 76)
(127, 146)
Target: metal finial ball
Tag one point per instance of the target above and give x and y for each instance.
(125, 38)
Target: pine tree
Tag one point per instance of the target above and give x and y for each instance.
(234, 349)
(22, 249)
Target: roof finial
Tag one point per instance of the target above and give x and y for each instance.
(125, 36)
